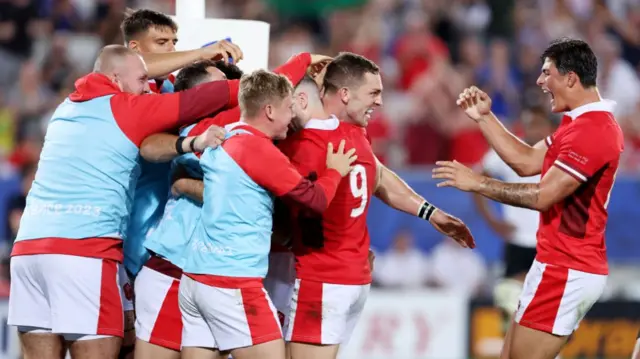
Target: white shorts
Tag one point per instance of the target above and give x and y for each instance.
(323, 313)
(226, 318)
(158, 318)
(65, 294)
(280, 280)
(555, 299)
(126, 289)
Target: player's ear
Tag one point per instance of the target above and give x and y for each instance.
(303, 100)
(572, 79)
(268, 111)
(134, 45)
(344, 94)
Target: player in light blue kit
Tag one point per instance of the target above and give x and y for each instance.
(151, 33)
(158, 321)
(65, 286)
(222, 298)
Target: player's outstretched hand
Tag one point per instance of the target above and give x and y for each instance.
(452, 227)
(340, 161)
(456, 175)
(222, 50)
(212, 137)
(475, 103)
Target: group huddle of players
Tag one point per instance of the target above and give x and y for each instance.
(202, 189)
(238, 204)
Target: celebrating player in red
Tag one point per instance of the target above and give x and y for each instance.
(332, 251)
(578, 165)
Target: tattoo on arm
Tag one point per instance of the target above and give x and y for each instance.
(524, 195)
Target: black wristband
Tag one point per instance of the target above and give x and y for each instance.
(192, 145)
(179, 142)
(426, 210)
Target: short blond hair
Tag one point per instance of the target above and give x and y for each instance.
(261, 88)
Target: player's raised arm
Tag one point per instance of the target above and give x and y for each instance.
(578, 160)
(397, 194)
(160, 65)
(525, 160)
(297, 66)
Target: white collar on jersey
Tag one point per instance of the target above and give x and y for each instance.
(328, 124)
(231, 126)
(602, 105)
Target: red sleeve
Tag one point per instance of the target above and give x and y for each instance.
(584, 150)
(295, 68)
(270, 168)
(140, 116)
(221, 119)
(308, 154)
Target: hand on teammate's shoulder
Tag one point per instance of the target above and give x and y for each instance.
(340, 160)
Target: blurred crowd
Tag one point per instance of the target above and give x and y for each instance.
(429, 50)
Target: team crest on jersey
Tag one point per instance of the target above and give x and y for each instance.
(128, 291)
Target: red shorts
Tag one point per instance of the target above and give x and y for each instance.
(555, 299)
(158, 319)
(66, 294)
(226, 318)
(323, 313)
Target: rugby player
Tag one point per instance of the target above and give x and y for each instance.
(578, 164)
(65, 286)
(221, 288)
(333, 268)
(518, 226)
(158, 322)
(150, 32)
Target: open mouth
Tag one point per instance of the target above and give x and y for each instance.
(551, 97)
(368, 113)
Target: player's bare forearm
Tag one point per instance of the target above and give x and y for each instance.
(189, 187)
(524, 159)
(396, 193)
(161, 147)
(160, 65)
(525, 195)
(482, 205)
(554, 187)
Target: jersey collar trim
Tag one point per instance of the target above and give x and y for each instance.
(246, 127)
(327, 124)
(600, 106)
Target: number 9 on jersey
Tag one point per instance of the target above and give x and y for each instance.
(358, 188)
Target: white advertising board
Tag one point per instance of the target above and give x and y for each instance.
(410, 325)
